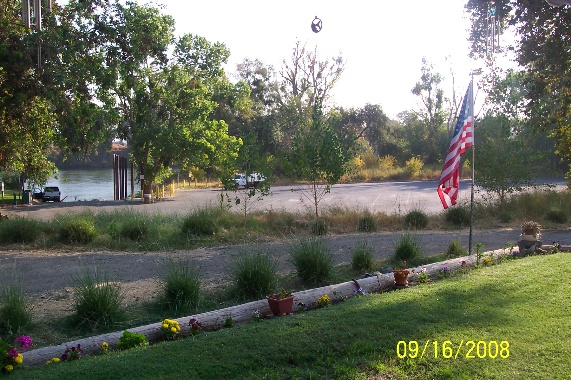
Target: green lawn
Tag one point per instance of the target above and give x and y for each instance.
(524, 302)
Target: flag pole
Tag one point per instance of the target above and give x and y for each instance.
(473, 162)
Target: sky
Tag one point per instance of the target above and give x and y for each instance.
(382, 42)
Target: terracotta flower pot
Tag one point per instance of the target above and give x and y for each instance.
(281, 306)
(401, 277)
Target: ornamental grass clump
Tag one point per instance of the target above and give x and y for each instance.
(19, 230)
(407, 248)
(200, 223)
(180, 287)
(455, 249)
(313, 262)
(367, 223)
(15, 314)
(458, 216)
(77, 231)
(416, 219)
(254, 275)
(362, 258)
(97, 301)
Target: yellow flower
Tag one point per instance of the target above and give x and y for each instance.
(104, 346)
(165, 326)
(8, 368)
(19, 359)
(173, 330)
(55, 360)
(48, 362)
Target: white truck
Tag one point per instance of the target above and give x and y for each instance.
(253, 180)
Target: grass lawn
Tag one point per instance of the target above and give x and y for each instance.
(524, 302)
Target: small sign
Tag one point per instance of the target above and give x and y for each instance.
(316, 25)
(142, 176)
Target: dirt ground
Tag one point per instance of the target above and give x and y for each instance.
(48, 276)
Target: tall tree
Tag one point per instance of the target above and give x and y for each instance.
(543, 48)
(433, 114)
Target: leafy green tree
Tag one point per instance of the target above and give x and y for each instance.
(433, 115)
(318, 156)
(543, 49)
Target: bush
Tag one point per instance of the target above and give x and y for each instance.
(313, 262)
(131, 340)
(416, 219)
(505, 217)
(14, 313)
(181, 286)
(455, 250)
(134, 229)
(413, 166)
(255, 275)
(200, 223)
(19, 230)
(367, 224)
(407, 247)
(556, 216)
(319, 227)
(362, 258)
(458, 216)
(97, 302)
(77, 231)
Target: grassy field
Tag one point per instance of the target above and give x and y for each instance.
(523, 305)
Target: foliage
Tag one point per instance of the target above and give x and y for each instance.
(413, 166)
(543, 59)
(10, 358)
(367, 223)
(416, 219)
(71, 353)
(15, 314)
(180, 286)
(254, 275)
(319, 227)
(455, 250)
(131, 340)
(324, 301)
(318, 156)
(362, 258)
(281, 295)
(313, 262)
(556, 215)
(407, 247)
(503, 171)
(195, 326)
(200, 223)
(135, 228)
(19, 230)
(458, 216)
(97, 301)
(76, 230)
(170, 328)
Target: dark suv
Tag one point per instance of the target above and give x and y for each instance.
(51, 193)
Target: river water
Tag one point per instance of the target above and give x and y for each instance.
(84, 185)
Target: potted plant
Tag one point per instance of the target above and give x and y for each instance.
(530, 231)
(401, 276)
(280, 303)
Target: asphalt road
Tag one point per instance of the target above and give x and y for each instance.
(388, 197)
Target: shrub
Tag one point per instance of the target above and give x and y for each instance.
(200, 223)
(362, 258)
(505, 216)
(131, 340)
(19, 230)
(407, 247)
(455, 250)
(556, 216)
(180, 286)
(367, 224)
(134, 229)
(416, 219)
(387, 162)
(413, 166)
(77, 231)
(14, 313)
(255, 275)
(97, 301)
(458, 216)
(319, 227)
(313, 262)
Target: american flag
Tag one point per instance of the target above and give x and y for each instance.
(463, 138)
